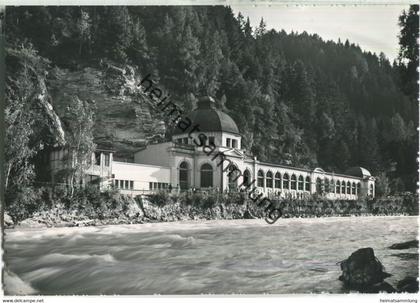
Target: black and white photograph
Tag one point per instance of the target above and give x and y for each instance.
(210, 150)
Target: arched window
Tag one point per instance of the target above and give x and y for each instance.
(371, 190)
(260, 179)
(332, 186)
(247, 178)
(269, 179)
(206, 175)
(308, 184)
(327, 185)
(343, 187)
(300, 183)
(286, 181)
(348, 187)
(337, 187)
(358, 188)
(184, 175)
(233, 175)
(353, 188)
(319, 186)
(277, 180)
(293, 182)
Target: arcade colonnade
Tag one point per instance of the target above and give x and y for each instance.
(274, 180)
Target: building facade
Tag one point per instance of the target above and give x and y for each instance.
(208, 155)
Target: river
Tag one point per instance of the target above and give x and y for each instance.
(210, 257)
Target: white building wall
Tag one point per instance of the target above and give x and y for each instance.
(154, 154)
(141, 175)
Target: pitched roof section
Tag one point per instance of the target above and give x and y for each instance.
(358, 172)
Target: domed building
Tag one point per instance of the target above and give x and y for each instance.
(206, 153)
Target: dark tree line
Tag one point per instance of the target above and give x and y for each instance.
(297, 99)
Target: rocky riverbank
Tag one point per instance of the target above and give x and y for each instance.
(113, 208)
(131, 211)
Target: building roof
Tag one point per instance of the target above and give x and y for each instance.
(358, 172)
(210, 119)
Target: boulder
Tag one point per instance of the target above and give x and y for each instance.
(8, 221)
(381, 287)
(248, 215)
(362, 271)
(133, 210)
(405, 245)
(88, 222)
(14, 285)
(32, 223)
(408, 284)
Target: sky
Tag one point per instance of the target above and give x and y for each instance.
(373, 27)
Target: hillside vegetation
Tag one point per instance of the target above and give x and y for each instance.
(297, 99)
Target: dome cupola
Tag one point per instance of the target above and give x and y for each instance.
(210, 119)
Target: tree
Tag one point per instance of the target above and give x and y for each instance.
(138, 50)
(189, 51)
(115, 34)
(18, 151)
(24, 85)
(79, 121)
(408, 57)
(247, 29)
(83, 26)
(211, 64)
(398, 130)
(261, 29)
(342, 155)
(301, 93)
(382, 186)
(408, 62)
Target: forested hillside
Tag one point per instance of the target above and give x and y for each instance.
(297, 99)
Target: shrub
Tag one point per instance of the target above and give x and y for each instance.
(191, 199)
(208, 200)
(23, 202)
(234, 198)
(204, 200)
(160, 198)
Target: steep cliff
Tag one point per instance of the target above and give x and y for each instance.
(124, 120)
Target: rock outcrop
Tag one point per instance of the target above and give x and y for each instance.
(124, 119)
(55, 123)
(362, 271)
